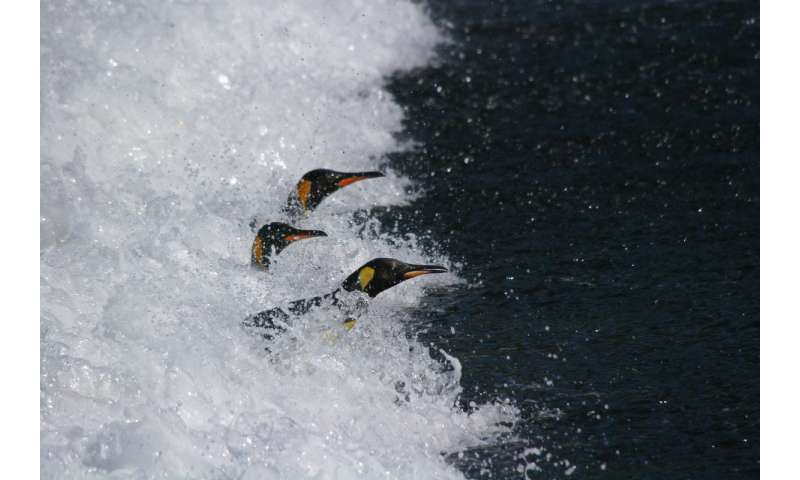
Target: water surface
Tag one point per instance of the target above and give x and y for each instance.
(595, 167)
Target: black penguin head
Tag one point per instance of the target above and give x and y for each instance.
(380, 274)
(274, 237)
(318, 184)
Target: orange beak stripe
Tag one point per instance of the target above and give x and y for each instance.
(415, 273)
(298, 236)
(347, 181)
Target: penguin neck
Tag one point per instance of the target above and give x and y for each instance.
(270, 251)
(296, 211)
(263, 266)
(346, 301)
(276, 319)
(293, 209)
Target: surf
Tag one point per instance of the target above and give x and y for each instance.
(165, 128)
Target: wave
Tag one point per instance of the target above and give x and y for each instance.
(165, 128)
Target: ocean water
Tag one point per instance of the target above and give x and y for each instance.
(587, 170)
(594, 165)
(165, 128)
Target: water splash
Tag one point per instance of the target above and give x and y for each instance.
(166, 127)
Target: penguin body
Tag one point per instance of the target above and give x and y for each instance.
(372, 278)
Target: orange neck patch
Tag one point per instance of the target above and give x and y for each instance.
(258, 250)
(303, 189)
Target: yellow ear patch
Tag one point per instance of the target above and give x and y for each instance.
(365, 276)
(303, 189)
(258, 250)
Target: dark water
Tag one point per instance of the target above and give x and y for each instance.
(595, 166)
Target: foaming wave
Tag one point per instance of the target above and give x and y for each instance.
(166, 127)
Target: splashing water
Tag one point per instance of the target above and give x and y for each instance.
(168, 126)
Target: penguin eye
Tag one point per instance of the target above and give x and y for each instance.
(365, 276)
(303, 189)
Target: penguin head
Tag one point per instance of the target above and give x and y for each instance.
(274, 237)
(315, 185)
(380, 274)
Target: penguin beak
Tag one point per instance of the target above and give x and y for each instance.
(303, 234)
(357, 177)
(417, 270)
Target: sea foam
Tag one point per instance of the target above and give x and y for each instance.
(165, 128)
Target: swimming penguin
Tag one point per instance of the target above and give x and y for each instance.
(272, 238)
(316, 185)
(372, 278)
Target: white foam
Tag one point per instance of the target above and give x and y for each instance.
(166, 126)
